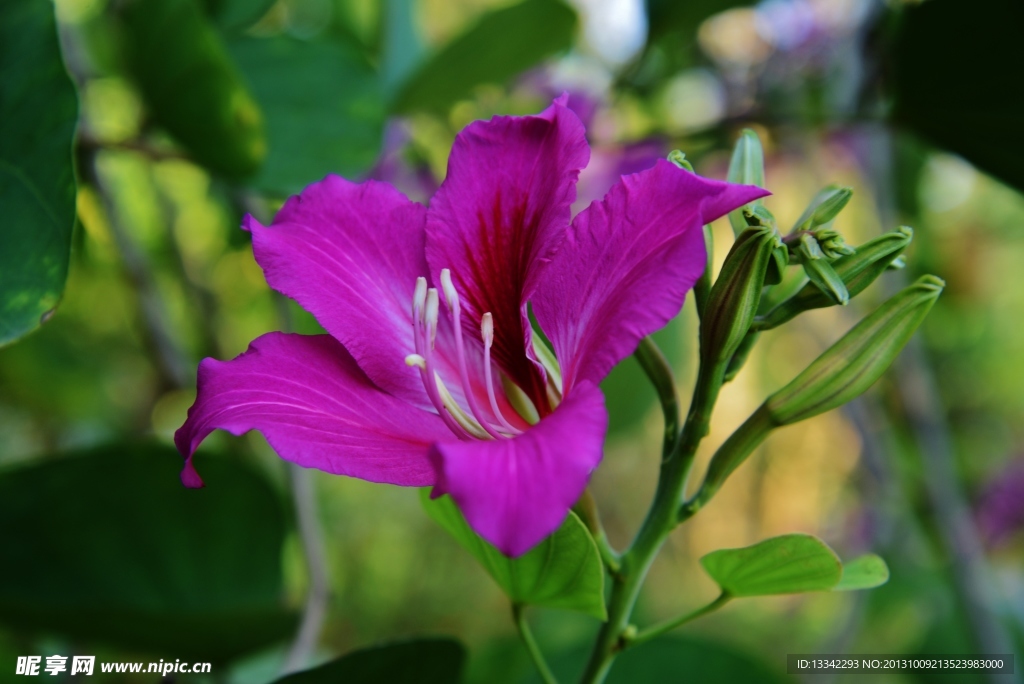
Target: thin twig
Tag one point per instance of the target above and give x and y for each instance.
(172, 361)
(531, 644)
(310, 533)
(668, 625)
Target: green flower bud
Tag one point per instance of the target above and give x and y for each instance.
(857, 360)
(832, 243)
(746, 167)
(824, 207)
(736, 295)
(840, 374)
(820, 271)
(857, 271)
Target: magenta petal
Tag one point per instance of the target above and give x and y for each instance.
(516, 492)
(350, 255)
(627, 264)
(499, 216)
(316, 408)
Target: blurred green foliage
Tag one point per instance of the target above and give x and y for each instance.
(193, 113)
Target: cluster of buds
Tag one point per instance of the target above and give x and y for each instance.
(756, 291)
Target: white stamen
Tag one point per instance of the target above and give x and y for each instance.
(450, 295)
(465, 421)
(419, 297)
(487, 328)
(487, 332)
(417, 361)
(431, 316)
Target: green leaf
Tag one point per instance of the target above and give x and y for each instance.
(790, 564)
(503, 44)
(190, 85)
(107, 546)
(563, 571)
(677, 659)
(702, 660)
(38, 108)
(423, 661)
(323, 105)
(945, 95)
(865, 572)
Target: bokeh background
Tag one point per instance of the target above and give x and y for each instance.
(192, 113)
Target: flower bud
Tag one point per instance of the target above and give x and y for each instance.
(820, 271)
(824, 207)
(842, 373)
(853, 363)
(857, 271)
(832, 243)
(736, 295)
(746, 167)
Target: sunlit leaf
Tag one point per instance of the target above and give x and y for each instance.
(323, 105)
(423, 661)
(107, 546)
(864, 572)
(38, 110)
(563, 571)
(503, 44)
(190, 85)
(790, 564)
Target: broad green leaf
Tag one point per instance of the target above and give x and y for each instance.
(790, 564)
(323, 105)
(107, 546)
(864, 572)
(674, 659)
(190, 85)
(237, 14)
(503, 44)
(38, 111)
(423, 661)
(945, 95)
(563, 571)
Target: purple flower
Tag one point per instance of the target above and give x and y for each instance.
(461, 394)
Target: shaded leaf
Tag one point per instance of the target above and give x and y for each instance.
(790, 564)
(946, 94)
(423, 661)
(563, 571)
(190, 85)
(38, 108)
(323, 105)
(864, 572)
(503, 44)
(107, 546)
(675, 659)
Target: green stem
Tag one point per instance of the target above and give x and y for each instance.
(702, 288)
(658, 370)
(663, 514)
(667, 626)
(586, 509)
(531, 644)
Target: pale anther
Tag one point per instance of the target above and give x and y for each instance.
(416, 361)
(487, 328)
(450, 295)
(419, 297)
(431, 315)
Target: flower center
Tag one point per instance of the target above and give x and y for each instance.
(473, 424)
